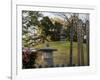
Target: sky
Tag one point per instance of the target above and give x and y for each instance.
(83, 16)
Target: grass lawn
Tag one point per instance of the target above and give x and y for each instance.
(61, 56)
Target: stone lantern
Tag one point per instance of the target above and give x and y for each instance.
(48, 54)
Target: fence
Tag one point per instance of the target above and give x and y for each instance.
(78, 25)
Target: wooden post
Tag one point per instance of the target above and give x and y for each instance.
(72, 30)
(87, 40)
(80, 35)
(79, 41)
(82, 51)
(71, 44)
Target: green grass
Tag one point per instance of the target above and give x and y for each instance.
(61, 56)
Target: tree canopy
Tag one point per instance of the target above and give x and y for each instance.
(38, 28)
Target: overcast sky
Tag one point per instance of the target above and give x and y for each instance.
(82, 16)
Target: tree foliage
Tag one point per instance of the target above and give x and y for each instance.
(36, 30)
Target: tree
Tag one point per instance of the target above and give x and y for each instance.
(50, 29)
(47, 27)
(30, 24)
(56, 31)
